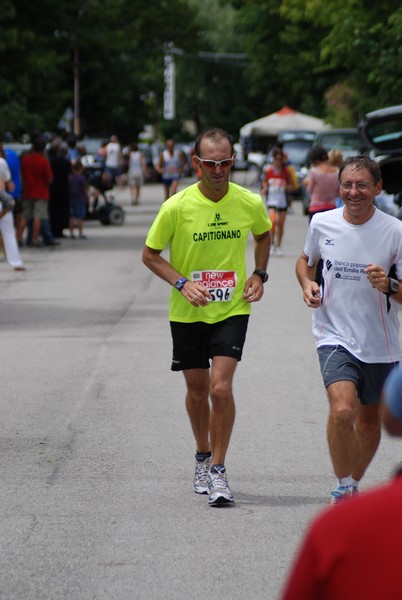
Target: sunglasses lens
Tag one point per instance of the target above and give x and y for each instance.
(211, 164)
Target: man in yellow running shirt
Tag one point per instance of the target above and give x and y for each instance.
(207, 226)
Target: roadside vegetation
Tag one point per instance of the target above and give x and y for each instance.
(235, 60)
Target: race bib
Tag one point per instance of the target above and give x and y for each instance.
(220, 284)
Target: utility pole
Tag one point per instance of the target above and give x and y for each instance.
(76, 68)
(169, 93)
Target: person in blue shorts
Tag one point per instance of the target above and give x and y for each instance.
(78, 199)
(170, 165)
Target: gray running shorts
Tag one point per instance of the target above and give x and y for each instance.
(337, 364)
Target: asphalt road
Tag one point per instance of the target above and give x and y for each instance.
(96, 496)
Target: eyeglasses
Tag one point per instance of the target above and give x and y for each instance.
(361, 186)
(213, 164)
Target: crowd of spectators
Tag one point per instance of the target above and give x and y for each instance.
(44, 191)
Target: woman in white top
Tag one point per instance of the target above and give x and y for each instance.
(137, 168)
(113, 161)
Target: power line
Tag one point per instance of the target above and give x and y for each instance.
(221, 57)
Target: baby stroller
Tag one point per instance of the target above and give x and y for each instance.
(101, 206)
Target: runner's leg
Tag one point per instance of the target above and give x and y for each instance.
(368, 435)
(197, 404)
(223, 406)
(340, 429)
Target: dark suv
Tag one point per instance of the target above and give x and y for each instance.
(381, 131)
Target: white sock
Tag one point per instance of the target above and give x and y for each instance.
(346, 481)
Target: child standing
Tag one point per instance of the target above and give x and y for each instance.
(78, 199)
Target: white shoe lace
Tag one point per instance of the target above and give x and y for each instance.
(201, 470)
(218, 481)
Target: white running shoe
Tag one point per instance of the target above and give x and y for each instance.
(200, 483)
(218, 487)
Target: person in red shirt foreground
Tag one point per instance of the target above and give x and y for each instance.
(354, 549)
(36, 176)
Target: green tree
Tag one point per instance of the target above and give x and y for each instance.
(359, 48)
(284, 49)
(119, 45)
(211, 78)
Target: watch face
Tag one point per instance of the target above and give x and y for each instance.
(262, 274)
(179, 283)
(393, 286)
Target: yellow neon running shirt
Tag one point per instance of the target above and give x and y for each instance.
(208, 243)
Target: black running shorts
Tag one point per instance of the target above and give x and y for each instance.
(194, 344)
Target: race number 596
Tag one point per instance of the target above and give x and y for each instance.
(220, 295)
(220, 284)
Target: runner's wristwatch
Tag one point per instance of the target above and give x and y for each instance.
(393, 286)
(180, 283)
(263, 274)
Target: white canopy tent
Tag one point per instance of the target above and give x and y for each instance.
(284, 119)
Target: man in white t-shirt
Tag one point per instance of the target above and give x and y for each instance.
(355, 321)
(113, 160)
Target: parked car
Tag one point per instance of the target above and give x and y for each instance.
(296, 145)
(381, 131)
(295, 134)
(240, 161)
(89, 147)
(298, 150)
(348, 141)
(257, 159)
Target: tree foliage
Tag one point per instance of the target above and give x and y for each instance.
(236, 60)
(119, 45)
(357, 52)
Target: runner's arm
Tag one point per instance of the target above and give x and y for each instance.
(379, 280)
(305, 276)
(254, 288)
(262, 245)
(159, 164)
(193, 292)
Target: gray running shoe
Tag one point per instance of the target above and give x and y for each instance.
(218, 487)
(200, 484)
